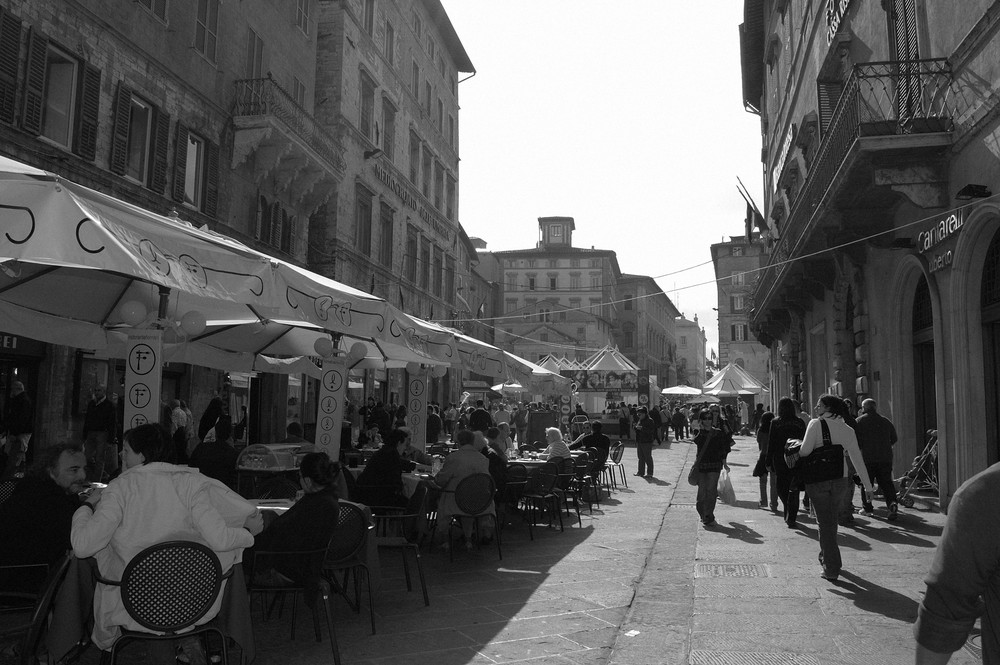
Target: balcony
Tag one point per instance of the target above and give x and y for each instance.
(288, 145)
(887, 137)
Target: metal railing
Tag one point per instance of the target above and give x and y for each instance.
(264, 97)
(879, 99)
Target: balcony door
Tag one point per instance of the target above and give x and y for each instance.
(903, 39)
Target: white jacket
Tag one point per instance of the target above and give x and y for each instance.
(841, 434)
(150, 504)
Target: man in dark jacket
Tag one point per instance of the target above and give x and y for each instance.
(713, 445)
(645, 432)
(654, 415)
(18, 420)
(876, 437)
(434, 425)
(480, 420)
(37, 517)
(99, 426)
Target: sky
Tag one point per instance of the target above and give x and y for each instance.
(625, 115)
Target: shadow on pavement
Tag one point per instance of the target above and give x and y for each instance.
(871, 597)
(738, 531)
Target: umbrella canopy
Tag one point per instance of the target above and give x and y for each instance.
(609, 358)
(730, 380)
(681, 390)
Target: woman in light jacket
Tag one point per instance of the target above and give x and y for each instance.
(154, 501)
(827, 495)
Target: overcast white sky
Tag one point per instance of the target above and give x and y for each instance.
(624, 115)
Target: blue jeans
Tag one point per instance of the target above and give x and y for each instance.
(827, 497)
(708, 494)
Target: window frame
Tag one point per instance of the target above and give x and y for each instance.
(363, 200)
(149, 5)
(206, 31)
(387, 223)
(388, 128)
(302, 17)
(366, 105)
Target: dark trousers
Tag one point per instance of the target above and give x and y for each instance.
(789, 497)
(645, 452)
(880, 473)
(708, 494)
(826, 497)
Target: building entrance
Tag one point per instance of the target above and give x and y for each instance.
(990, 302)
(924, 391)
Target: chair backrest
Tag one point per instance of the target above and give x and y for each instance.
(7, 489)
(474, 493)
(40, 613)
(278, 488)
(349, 535)
(170, 586)
(352, 485)
(617, 451)
(516, 473)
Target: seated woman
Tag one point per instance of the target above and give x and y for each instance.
(381, 483)
(462, 463)
(154, 501)
(305, 526)
(217, 458)
(557, 449)
(503, 439)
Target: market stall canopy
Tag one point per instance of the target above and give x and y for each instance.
(730, 380)
(609, 358)
(534, 377)
(681, 390)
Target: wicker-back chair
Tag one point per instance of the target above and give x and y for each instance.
(343, 557)
(538, 496)
(473, 498)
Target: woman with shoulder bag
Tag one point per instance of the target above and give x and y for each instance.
(823, 469)
(761, 470)
(713, 447)
(786, 425)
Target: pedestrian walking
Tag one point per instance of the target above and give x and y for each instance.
(645, 432)
(654, 415)
(826, 486)
(786, 425)
(760, 470)
(713, 446)
(876, 437)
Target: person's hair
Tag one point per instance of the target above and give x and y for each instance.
(48, 459)
(465, 437)
(223, 429)
(492, 432)
(503, 426)
(395, 437)
(555, 432)
(787, 410)
(479, 402)
(868, 405)
(596, 426)
(294, 428)
(319, 468)
(151, 441)
(704, 413)
(765, 422)
(833, 404)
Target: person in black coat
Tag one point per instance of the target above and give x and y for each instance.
(308, 525)
(786, 425)
(480, 419)
(217, 459)
(381, 483)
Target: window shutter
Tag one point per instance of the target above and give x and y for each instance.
(274, 229)
(85, 137)
(211, 179)
(829, 94)
(119, 129)
(158, 176)
(291, 235)
(180, 162)
(732, 332)
(259, 217)
(10, 53)
(34, 83)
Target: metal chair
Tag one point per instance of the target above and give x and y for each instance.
(399, 528)
(517, 478)
(344, 556)
(566, 487)
(279, 584)
(473, 496)
(539, 495)
(31, 632)
(7, 488)
(278, 487)
(167, 588)
(614, 465)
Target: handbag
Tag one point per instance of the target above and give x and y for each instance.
(824, 463)
(694, 473)
(791, 453)
(760, 469)
(725, 488)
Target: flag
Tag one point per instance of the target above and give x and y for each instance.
(430, 317)
(372, 289)
(402, 303)
(481, 312)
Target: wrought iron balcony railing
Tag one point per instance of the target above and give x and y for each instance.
(263, 97)
(879, 99)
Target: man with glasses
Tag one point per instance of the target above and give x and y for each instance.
(713, 445)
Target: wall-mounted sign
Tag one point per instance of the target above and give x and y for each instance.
(835, 11)
(330, 406)
(16, 345)
(786, 146)
(929, 241)
(412, 201)
(142, 377)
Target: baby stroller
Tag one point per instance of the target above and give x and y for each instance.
(923, 473)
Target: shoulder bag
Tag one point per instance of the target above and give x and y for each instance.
(694, 472)
(824, 463)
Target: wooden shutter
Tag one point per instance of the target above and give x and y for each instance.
(904, 37)
(180, 162)
(10, 54)
(828, 94)
(259, 212)
(87, 117)
(211, 205)
(34, 83)
(119, 132)
(274, 238)
(160, 143)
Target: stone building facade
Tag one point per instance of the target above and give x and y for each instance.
(691, 343)
(879, 128)
(648, 336)
(737, 263)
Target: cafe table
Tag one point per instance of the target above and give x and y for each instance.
(410, 480)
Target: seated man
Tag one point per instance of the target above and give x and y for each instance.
(462, 463)
(381, 483)
(294, 433)
(596, 440)
(413, 454)
(37, 517)
(557, 449)
(217, 459)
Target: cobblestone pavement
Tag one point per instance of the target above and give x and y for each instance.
(640, 582)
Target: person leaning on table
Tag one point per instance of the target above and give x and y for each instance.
(155, 501)
(557, 449)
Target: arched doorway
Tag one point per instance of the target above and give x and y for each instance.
(924, 397)
(990, 301)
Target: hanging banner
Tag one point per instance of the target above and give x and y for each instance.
(330, 407)
(416, 408)
(143, 370)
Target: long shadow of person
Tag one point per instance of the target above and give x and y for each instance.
(871, 597)
(742, 532)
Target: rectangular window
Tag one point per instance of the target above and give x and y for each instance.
(367, 107)
(739, 332)
(738, 278)
(451, 130)
(390, 43)
(427, 98)
(628, 302)
(552, 283)
(581, 333)
(302, 15)
(510, 281)
(684, 341)
(427, 173)
(595, 263)
(438, 272)
(531, 283)
(531, 263)
(414, 157)
(253, 63)
(411, 253)
(194, 171)
(595, 281)
(574, 282)
(553, 263)
(440, 118)
(738, 250)
(449, 279)
(430, 47)
(509, 306)
(157, 7)
(555, 231)
(544, 337)
(363, 220)
(595, 306)
(425, 263)
(140, 132)
(415, 79)
(369, 17)
(387, 216)
(737, 303)
(418, 27)
(449, 198)
(206, 29)
(61, 72)
(298, 92)
(438, 185)
(574, 263)
(388, 129)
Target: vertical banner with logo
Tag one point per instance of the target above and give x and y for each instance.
(416, 407)
(330, 407)
(643, 387)
(143, 370)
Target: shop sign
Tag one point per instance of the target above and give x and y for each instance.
(411, 201)
(786, 146)
(930, 239)
(835, 11)
(16, 345)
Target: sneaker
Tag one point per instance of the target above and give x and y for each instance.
(832, 577)
(893, 513)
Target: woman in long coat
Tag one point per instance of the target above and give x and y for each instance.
(786, 425)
